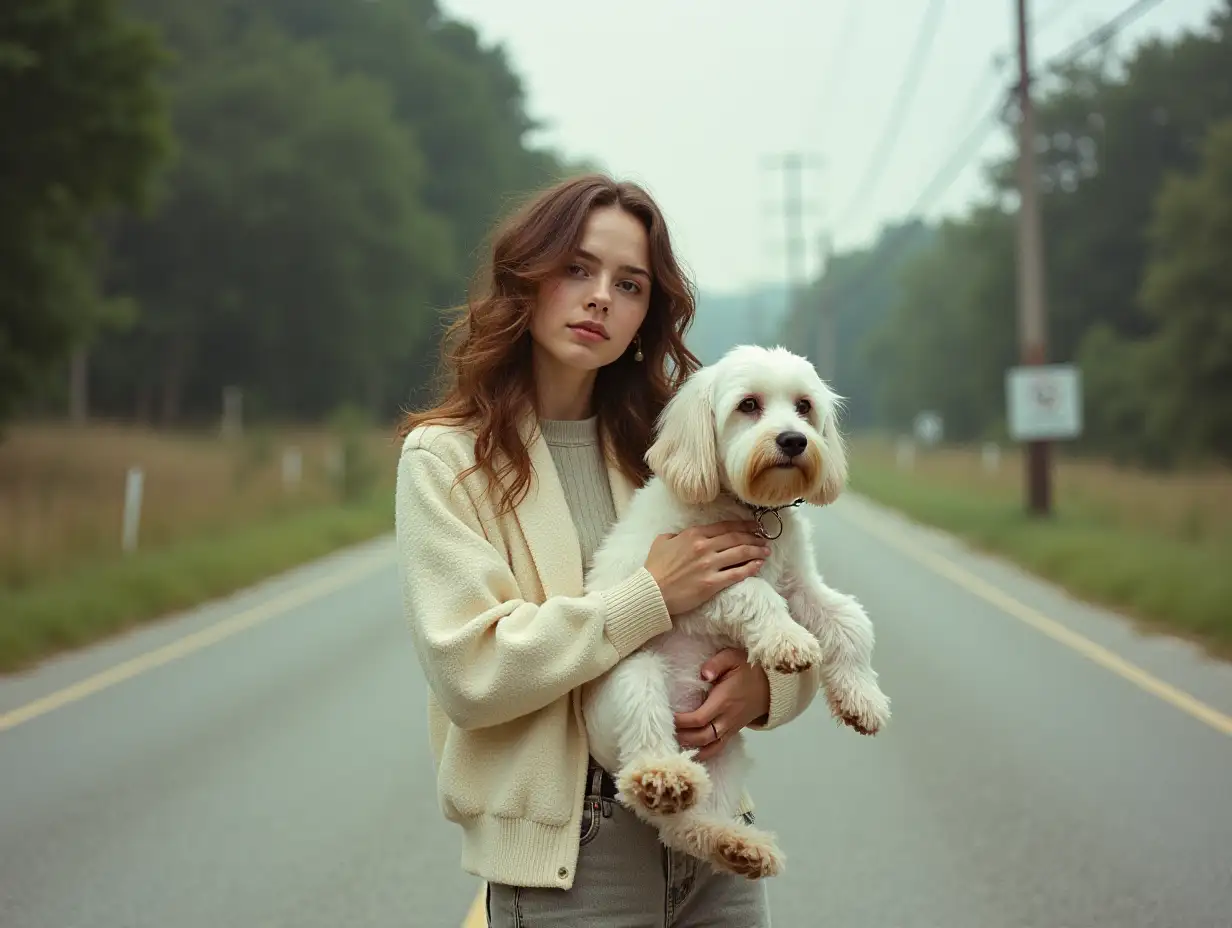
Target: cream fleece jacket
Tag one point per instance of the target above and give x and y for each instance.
(506, 638)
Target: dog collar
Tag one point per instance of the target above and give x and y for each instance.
(760, 513)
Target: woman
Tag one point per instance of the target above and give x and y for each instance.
(558, 370)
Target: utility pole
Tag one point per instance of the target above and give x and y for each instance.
(827, 325)
(1032, 314)
(793, 215)
(78, 385)
(794, 208)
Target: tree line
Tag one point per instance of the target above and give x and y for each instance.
(279, 196)
(1135, 171)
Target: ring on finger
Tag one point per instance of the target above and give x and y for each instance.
(715, 730)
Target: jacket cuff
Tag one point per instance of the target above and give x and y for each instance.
(634, 612)
(790, 695)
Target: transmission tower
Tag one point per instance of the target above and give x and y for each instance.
(797, 210)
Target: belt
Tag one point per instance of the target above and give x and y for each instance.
(599, 782)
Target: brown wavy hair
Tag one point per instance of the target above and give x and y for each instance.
(486, 353)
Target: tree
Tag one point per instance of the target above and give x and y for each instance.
(84, 136)
(950, 334)
(294, 256)
(1188, 291)
(465, 103)
(341, 163)
(861, 287)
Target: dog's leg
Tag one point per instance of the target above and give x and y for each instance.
(846, 635)
(712, 832)
(653, 774)
(753, 613)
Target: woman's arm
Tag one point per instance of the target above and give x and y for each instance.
(489, 655)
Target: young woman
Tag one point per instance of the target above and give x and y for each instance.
(558, 369)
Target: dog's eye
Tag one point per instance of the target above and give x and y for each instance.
(804, 407)
(749, 405)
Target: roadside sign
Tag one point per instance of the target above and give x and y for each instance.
(1044, 402)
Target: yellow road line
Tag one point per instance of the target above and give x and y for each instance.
(182, 647)
(1052, 628)
(477, 917)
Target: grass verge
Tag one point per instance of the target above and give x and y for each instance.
(93, 601)
(1169, 571)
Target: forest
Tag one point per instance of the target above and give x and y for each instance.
(279, 197)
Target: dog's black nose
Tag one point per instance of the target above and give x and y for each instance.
(792, 443)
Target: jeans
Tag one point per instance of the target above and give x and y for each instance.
(627, 879)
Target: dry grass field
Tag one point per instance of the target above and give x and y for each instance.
(215, 514)
(1158, 546)
(218, 515)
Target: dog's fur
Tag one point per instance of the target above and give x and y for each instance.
(714, 460)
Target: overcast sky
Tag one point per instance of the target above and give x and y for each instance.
(689, 97)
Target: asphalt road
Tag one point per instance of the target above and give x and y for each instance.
(266, 764)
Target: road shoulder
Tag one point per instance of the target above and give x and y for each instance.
(1174, 661)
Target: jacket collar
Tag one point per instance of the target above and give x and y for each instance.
(546, 522)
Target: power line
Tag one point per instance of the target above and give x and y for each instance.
(979, 87)
(845, 40)
(968, 147)
(958, 159)
(906, 89)
(998, 62)
(1051, 15)
(1101, 35)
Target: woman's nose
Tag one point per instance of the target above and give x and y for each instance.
(601, 296)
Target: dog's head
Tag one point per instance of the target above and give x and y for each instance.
(760, 423)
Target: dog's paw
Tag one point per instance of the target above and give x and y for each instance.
(792, 650)
(749, 855)
(860, 705)
(664, 786)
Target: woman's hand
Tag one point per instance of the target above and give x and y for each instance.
(740, 696)
(692, 566)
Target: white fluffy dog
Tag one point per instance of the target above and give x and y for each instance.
(750, 436)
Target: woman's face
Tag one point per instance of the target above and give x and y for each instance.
(588, 312)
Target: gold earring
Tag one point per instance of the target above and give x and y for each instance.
(637, 355)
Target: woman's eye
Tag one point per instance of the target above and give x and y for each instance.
(631, 286)
(576, 269)
(748, 405)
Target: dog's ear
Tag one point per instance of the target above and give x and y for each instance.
(684, 454)
(833, 464)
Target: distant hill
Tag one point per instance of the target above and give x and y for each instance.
(727, 319)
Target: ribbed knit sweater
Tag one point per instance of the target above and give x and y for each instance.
(574, 445)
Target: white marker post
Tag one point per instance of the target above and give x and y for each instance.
(292, 469)
(334, 462)
(232, 412)
(133, 488)
(990, 455)
(904, 454)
